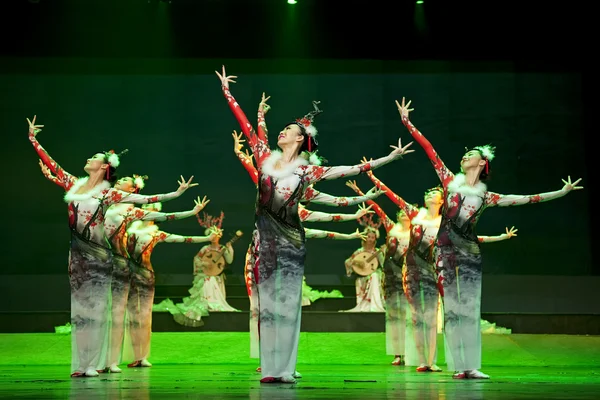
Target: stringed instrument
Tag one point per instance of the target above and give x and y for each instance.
(368, 265)
(213, 262)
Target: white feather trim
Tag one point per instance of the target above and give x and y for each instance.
(459, 185)
(113, 160)
(139, 182)
(311, 130)
(487, 151)
(421, 219)
(72, 194)
(314, 159)
(268, 167)
(155, 206)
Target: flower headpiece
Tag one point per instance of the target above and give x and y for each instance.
(113, 159)
(306, 126)
(370, 224)
(208, 221)
(139, 182)
(313, 158)
(487, 151)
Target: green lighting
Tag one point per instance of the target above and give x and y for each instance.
(418, 1)
(291, 1)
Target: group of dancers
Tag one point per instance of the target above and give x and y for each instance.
(110, 270)
(430, 252)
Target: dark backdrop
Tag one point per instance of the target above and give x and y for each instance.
(180, 124)
(111, 75)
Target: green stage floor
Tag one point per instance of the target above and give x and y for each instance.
(350, 365)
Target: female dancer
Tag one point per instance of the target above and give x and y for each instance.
(279, 238)
(118, 217)
(308, 294)
(90, 261)
(458, 257)
(418, 274)
(397, 242)
(142, 238)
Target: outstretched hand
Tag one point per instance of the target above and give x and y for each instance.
(352, 185)
(571, 185)
(237, 142)
(225, 80)
(215, 232)
(512, 232)
(200, 204)
(362, 210)
(359, 235)
(238, 146)
(183, 185)
(45, 170)
(403, 108)
(399, 151)
(33, 128)
(364, 160)
(374, 192)
(263, 107)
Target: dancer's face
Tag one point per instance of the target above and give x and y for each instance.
(289, 135)
(433, 198)
(402, 218)
(371, 238)
(471, 159)
(125, 184)
(94, 163)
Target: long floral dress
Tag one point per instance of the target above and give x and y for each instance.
(310, 195)
(278, 243)
(419, 279)
(458, 257)
(142, 238)
(90, 261)
(118, 218)
(397, 242)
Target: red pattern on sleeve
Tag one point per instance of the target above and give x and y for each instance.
(446, 176)
(410, 210)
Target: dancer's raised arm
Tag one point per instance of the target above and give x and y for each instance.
(410, 210)
(257, 142)
(317, 216)
(63, 176)
(313, 195)
(386, 221)
(114, 196)
(320, 234)
(443, 172)
(157, 216)
(315, 173)
(48, 174)
(506, 200)
(490, 239)
(244, 157)
(172, 238)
